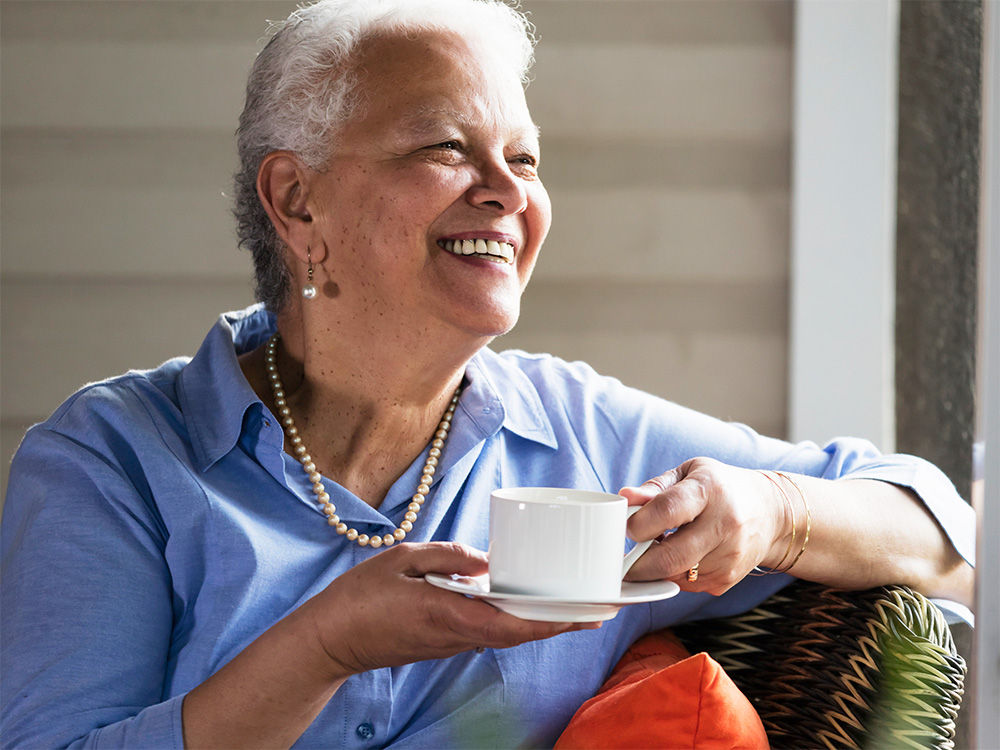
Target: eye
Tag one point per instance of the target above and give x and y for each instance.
(526, 165)
(448, 145)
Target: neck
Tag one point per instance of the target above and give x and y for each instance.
(364, 412)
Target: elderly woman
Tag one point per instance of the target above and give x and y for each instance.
(230, 551)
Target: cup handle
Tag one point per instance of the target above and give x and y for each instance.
(637, 550)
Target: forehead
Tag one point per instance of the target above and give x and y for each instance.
(417, 81)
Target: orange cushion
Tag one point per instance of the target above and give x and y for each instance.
(658, 697)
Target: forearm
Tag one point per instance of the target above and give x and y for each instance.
(868, 533)
(268, 695)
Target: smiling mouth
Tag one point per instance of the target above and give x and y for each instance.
(498, 252)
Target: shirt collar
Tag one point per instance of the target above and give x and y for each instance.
(214, 394)
(499, 394)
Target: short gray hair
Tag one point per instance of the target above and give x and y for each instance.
(301, 90)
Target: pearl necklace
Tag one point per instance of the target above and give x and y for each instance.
(437, 444)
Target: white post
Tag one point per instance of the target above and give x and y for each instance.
(841, 379)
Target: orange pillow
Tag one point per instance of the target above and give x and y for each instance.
(657, 698)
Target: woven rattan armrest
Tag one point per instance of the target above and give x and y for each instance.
(842, 669)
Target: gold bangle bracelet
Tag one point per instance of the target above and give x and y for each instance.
(759, 571)
(805, 504)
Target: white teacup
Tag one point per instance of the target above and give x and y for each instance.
(560, 543)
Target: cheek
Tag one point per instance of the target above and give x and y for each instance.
(539, 213)
(433, 179)
(420, 198)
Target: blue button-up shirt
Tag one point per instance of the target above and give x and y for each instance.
(154, 527)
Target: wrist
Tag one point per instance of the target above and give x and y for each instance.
(319, 633)
(785, 524)
(791, 493)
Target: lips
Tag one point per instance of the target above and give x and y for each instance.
(492, 250)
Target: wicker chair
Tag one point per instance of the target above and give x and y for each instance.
(836, 669)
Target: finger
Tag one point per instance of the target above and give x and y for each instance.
(490, 627)
(650, 488)
(715, 573)
(537, 629)
(680, 504)
(439, 557)
(644, 494)
(672, 557)
(457, 617)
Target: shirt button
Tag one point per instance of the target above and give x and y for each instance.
(365, 730)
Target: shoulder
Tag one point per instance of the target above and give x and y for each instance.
(574, 383)
(600, 409)
(551, 371)
(578, 401)
(109, 421)
(118, 401)
(99, 449)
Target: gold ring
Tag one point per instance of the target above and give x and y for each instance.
(693, 573)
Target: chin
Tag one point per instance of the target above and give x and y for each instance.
(491, 332)
(491, 324)
(488, 314)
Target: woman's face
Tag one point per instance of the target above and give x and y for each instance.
(439, 165)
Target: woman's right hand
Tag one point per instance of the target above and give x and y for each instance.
(382, 613)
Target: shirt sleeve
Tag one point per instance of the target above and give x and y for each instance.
(86, 601)
(631, 436)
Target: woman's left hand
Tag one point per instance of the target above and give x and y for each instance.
(727, 521)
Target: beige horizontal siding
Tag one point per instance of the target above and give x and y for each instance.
(198, 21)
(663, 22)
(562, 307)
(686, 163)
(677, 22)
(665, 133)
(670, 235)
(98, 84)
(637, 91)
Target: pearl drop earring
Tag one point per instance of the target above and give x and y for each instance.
(309, 290)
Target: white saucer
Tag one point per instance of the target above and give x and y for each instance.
(549, 609)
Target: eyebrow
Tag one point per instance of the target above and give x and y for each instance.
(428, 118)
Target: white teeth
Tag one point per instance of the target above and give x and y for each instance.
(501, 252)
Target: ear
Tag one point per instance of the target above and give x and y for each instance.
(282, 186)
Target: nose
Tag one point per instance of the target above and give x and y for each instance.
(498, 188)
